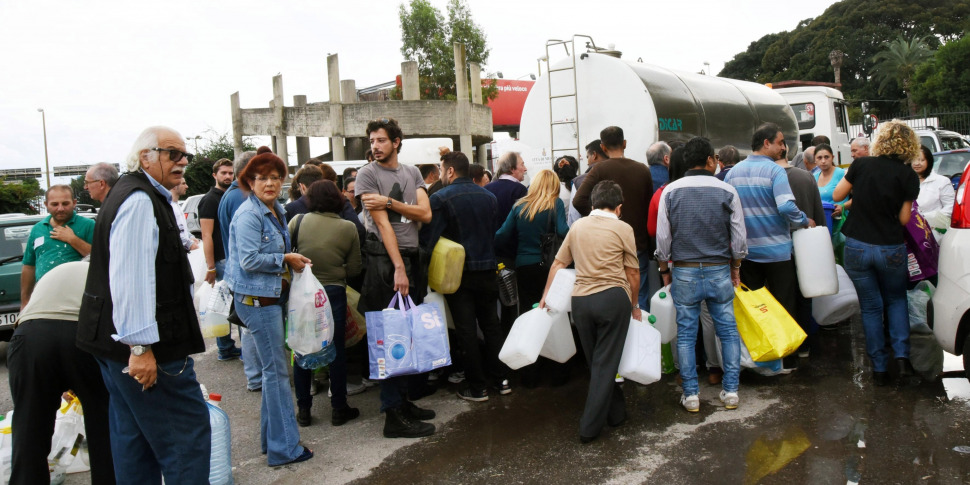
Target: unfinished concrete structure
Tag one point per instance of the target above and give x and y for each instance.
(344, 120)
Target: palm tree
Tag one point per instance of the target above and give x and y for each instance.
(898, 61)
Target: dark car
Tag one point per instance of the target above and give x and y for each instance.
(14, 230)
(951, 163)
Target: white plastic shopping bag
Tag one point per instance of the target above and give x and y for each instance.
(309, 317)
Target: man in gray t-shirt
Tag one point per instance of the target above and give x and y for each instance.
(400, 184)
(395, 200)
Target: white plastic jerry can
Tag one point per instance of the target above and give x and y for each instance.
(560, 294)
(559, 345)
(815, 262)
(526, 338)
(640, 361)
(662, 307)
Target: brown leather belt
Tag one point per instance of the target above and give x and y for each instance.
(691, 264)
(259, 301)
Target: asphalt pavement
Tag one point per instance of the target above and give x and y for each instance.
(823, 423)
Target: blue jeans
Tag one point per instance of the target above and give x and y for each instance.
(161, 431)
(252, 365)
(711, 284)
(643, 298)
(226, 343)
(337, 294)
(880, 275)
(279, 436)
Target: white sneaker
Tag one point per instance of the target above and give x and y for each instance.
(367, 383)
(691, 403)
(730, 399)
(352, 389)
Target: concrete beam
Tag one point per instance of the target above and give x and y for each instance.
(237, 143)
(410, 87)
(302, 142)
(354, 145)
(279, 122)
(336, 109)
(476, 86)
(463, 103)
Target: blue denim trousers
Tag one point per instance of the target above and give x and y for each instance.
(711, 284)
(880, 275)
(643, 298)
(279, 436)
(337, 294)
(163, 431)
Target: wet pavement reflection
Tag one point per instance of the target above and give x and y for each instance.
(824, 423)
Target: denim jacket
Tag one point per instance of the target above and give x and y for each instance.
(257, 243)
(464, 213)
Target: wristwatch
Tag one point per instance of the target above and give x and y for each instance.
(389, 201)
(138, 350)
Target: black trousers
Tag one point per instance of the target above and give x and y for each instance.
(43, 362)
(602, 320)
(474, 306)
(779, 277)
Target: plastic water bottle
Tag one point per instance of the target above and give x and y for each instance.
(63, 459)
(220, 463)
(508, 292)
(317, 359)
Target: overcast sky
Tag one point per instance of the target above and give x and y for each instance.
(104, 70)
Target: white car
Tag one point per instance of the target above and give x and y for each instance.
(948, 312)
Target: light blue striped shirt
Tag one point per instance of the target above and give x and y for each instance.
(133, 244)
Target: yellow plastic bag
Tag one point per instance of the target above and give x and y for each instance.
(447, 263)
(356, 325)
(767, 329)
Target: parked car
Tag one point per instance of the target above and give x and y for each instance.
(941, 140)
(191, 209)
(948, 312)
(951, 164)
(14, 231)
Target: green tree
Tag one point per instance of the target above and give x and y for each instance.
(898, 62)
(428, 38)
(20, 196)
(945, 80)
(214, 146)
(82, 195)
(859, 28)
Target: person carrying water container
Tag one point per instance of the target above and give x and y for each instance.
(603, 299)
(700, 227)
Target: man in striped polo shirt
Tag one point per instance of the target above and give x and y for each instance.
(769, 215)
(700, 227)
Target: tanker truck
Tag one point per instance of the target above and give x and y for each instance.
(584, 92)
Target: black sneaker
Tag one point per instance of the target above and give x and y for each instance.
(503, 387)
(476, 396)
(303, 417)
(410, 410)
(340, 416)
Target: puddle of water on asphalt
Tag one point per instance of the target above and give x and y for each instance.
(957, 388)
(768, 455)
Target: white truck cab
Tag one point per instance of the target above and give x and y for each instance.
(820, 110)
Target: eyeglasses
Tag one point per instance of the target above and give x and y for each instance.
(274, 179)
(89, 182)
(175, 155)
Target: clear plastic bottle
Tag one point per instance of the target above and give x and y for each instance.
(317, 359)
(220, 460)
(6, 447)
(508, 292)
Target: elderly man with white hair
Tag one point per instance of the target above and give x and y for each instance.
(859, 147)
(99, 179)
(138, 320)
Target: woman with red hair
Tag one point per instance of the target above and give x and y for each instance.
(258, 272)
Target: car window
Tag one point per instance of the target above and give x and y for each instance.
(13, 240)
(927, 141)
(950, 164)
(953, 143)
(805, 114)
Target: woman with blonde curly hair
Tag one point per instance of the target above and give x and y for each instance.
(521, 234)
(883, 189)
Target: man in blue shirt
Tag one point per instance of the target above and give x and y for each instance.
(769, 214)
(658, 157)
(231, 200)
(61, 237)
(462, 211)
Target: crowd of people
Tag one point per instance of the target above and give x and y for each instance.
(695, 217)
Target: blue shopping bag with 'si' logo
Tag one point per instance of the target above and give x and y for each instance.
(407, 339)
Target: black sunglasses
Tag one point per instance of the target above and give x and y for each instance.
(175, 155)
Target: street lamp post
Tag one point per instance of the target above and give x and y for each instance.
(47, 164)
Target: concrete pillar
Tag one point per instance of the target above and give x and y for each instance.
(279, 124)
(481, 157)
(336, 109)
(302, 142)
(476, 86)
(410, 88)
(354, 145)
(237, 143)
(463, 104)
(272, 138)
